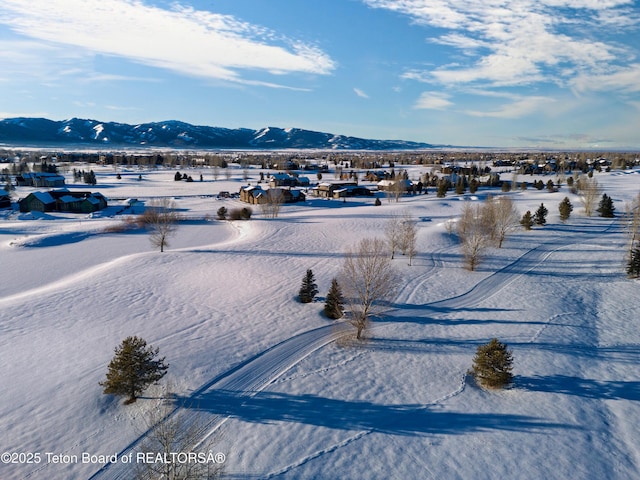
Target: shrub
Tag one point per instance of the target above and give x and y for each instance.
(245, 213)
(222, 213)
(492, 365)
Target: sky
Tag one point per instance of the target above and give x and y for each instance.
(553, 74)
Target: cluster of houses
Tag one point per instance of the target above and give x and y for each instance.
(63, 201)
(287, 188)
(59, 199)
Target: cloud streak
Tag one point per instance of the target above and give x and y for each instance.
(433, 101)
(182, 40)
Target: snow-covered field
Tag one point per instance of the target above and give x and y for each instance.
(263, 370)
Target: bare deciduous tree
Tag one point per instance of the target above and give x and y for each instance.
(392, 232)
(475, 233)
(631, 219)
(408, 234)
(161, 218)
(368, 280)
(170, 432)
(505, 218)
(589, 194)
(274, 200)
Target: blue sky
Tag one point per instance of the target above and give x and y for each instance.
(555, 74)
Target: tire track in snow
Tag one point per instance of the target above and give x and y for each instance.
(524, 264)
(254, 375)
(246, 379)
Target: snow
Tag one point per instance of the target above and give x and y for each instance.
(288, 395)
(98, 129)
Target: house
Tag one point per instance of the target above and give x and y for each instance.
(253, 194)
(391, 185)
(38, 202)
(257, 195)
(5, 199)
(83, 203)
(287, 180)
(352, 191)
(40, 179)
(327, 189)
(63, 201)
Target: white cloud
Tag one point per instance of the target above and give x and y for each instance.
(625, 79)
(433, 101)
(520, 107)
(182, 40)
(360, 93)
(521, 42)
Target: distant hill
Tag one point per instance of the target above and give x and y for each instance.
(175, 134)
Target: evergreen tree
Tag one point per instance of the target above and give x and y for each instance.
(133, 368)
(606, 208)
(473, 185)
(309, 289)
(89, 177)
(493, 364)
(565, 209)
(222, 213)
(550, 186)
(539, 184)
(540, 217)
(333, 306)
(527, 220)
(460, 186)
(633, 266)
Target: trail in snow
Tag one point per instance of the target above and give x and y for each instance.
(244, 381)
(258, 372)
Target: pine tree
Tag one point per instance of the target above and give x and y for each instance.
(606, 208)
(527, 220)
(540, 217)
(333, 306)
(565, 209)
(493, 364)
(633, 266)
(133, 368)
(309, 289)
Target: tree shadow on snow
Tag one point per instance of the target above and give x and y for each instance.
(403, 420)
(581, 387)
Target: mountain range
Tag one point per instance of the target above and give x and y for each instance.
(176, 134)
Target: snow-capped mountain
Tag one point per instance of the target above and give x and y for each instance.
(44, 132)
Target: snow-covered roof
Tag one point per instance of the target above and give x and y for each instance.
(44, 197)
